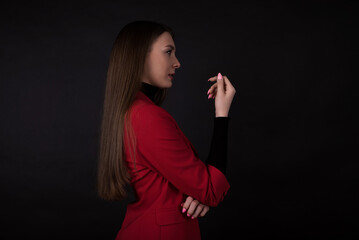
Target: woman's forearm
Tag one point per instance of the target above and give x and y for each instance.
(218, 151)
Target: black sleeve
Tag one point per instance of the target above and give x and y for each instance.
(218, 152)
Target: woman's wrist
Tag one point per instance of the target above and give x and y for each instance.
(221, 114)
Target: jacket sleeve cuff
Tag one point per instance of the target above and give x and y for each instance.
(220, 185)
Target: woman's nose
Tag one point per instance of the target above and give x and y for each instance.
(177, 64)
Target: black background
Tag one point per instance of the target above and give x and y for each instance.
(293, 165)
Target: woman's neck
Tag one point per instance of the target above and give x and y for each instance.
(149, 90)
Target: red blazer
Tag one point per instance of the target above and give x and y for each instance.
(168, 170)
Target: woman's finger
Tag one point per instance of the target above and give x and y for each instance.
(197, 211)
(212, 90)
(192, 207)
(220, 82)
(187, 203)
(211, 79)
(213, 93)
(204, 210)
(214, 86)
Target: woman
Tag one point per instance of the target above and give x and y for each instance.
(142, 145)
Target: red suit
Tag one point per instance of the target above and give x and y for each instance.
(168, 170)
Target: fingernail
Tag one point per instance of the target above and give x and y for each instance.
(219, 76)
(188, 215)
(183, 210)
(209, 96)
(208, 91)
(192, 217)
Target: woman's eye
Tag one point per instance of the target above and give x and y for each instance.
(169, 51)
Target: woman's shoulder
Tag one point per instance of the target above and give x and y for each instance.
(145, 112)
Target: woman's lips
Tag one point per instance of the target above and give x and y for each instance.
(171, 76)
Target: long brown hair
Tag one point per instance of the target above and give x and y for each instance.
(126, 65)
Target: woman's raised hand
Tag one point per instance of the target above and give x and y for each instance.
(224, 92)
(194, 208)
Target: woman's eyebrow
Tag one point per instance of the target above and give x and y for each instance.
(171, 46)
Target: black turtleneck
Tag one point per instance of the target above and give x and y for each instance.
(218, 152)
(149, 90)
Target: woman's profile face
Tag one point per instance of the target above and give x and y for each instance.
(160, 62)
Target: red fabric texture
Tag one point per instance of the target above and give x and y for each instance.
(168, 170)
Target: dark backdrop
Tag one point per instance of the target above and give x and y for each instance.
(293, 166)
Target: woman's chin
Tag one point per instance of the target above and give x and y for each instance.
(167, 84)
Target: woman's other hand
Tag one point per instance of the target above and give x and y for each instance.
(224, 92)
(194, 208)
